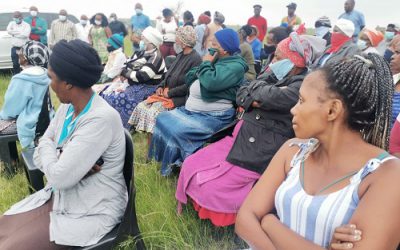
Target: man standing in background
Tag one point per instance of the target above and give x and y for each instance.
(355, 16)
(291, 19)
(258, 21)
(19, 32)
(62, 29)
(116, 26)
(139, 21)
(38, 26)
(83, 28)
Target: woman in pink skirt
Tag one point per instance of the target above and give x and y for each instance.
(217, 179)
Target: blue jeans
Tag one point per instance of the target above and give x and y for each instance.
(179, 133)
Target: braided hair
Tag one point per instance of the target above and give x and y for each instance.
(365, 84)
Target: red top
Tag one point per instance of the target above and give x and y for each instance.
(261, 24)
(34, 36)
(394, 143)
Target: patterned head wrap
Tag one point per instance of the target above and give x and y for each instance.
(374, 36)
(187, 36)
(302, 50)
(36, 53)
(204, 19)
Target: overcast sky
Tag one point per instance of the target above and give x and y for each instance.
(236, 11)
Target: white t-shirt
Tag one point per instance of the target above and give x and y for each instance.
(83, 32)
(169, 28)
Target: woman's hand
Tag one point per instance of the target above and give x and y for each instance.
(209, 57)
(345, 236)
(159, 91)
(126, 73)
(96, 168)
(255, 104)
(165, 93)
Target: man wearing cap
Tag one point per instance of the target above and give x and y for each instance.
(139, 21)
(38, 26)
(355, 16)
(322, 29)
(258, 21)
(291, 19)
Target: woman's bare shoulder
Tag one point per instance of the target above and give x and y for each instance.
(289, 149)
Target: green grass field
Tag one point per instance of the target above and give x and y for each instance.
(159, 223)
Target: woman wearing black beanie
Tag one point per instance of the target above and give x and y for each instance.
(82, 156)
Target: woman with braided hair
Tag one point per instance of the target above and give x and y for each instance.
(339, 189)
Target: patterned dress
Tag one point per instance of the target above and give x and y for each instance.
(144, 116)
(99, 39)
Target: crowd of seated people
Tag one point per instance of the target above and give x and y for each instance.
(298, 108)
(139, 78)
(209, 107)
(218, 177)
(172, 91)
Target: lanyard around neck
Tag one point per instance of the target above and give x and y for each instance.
(69, 123)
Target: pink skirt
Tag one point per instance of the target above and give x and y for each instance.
(213, 183)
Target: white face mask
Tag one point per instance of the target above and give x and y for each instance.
(33, 13)
(321, 31)
(62, 18)
(97, 22)
(362, 45)
(83, 22)
(112, 19)
(178, 49)
(142, 45)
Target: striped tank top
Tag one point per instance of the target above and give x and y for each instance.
(316, 217)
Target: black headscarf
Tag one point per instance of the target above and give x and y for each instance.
(76, 62)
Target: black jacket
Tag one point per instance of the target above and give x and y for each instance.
(264, 129)
(118, 27)
(175, 77)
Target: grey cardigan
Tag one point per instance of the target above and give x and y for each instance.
(84, 209)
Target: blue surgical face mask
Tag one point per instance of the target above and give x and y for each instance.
(281, 68)
(141, 45)
(388, 55)
(17, 20)
(321, 31)
(389, 35)
(138, 12)
(362, 45)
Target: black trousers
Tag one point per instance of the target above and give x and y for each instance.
(15, 60)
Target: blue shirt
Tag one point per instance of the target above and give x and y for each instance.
(256, 46)
(140, 22)
(357, 18)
